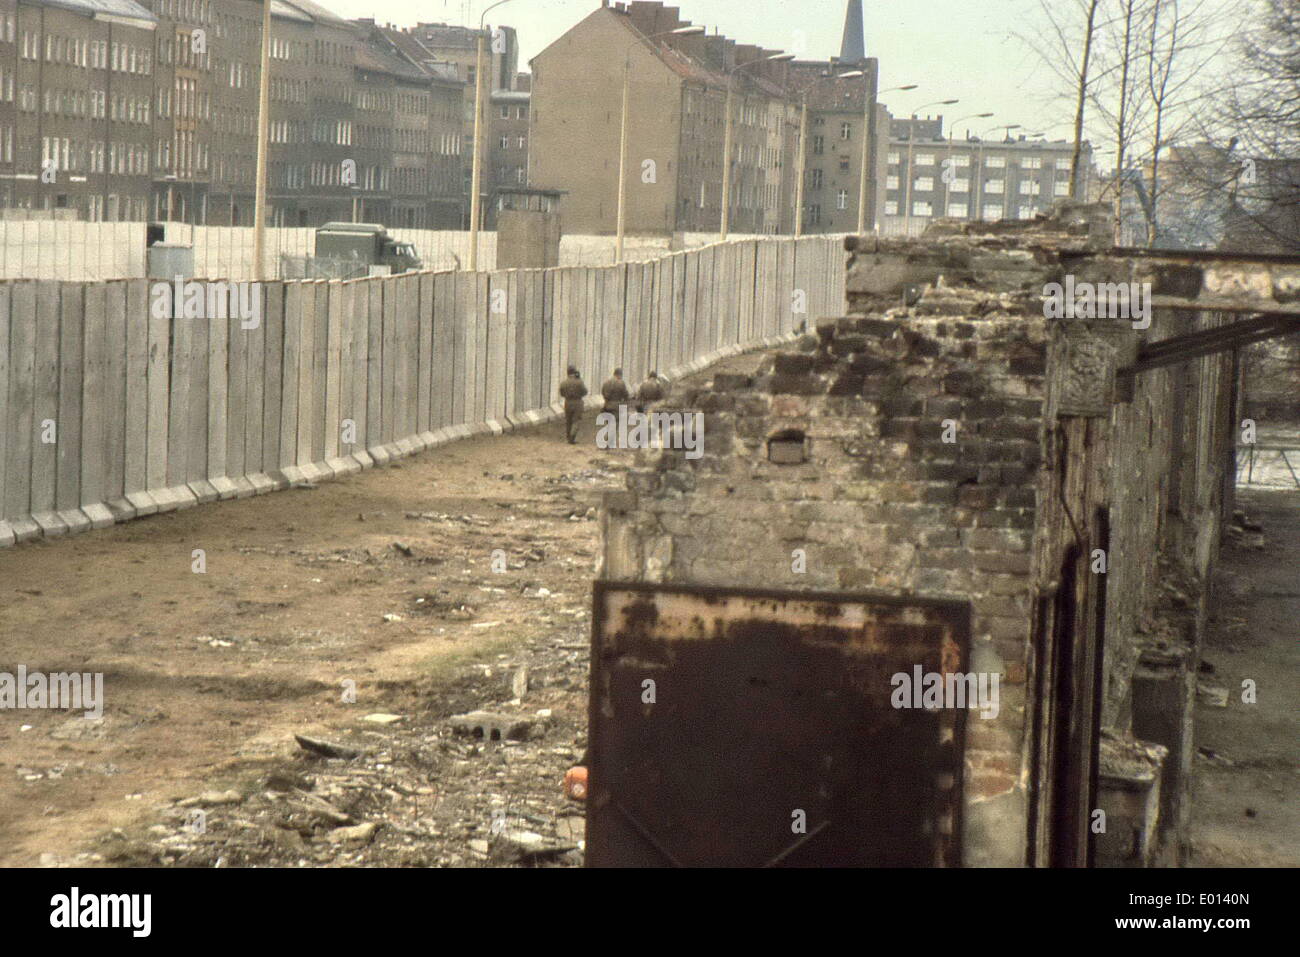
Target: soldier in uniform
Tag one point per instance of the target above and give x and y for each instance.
(572, 391)
(651, 390)
(614, 392)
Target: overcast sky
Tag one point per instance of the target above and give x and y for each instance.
(964, 49)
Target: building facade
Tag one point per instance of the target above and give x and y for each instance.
(932, 176)
(116, 109)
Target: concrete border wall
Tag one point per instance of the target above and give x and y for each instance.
(109, 411)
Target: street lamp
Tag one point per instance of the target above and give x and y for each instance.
(622, 134)
(868, 142)
(950, 128)
(979, 183)
(911, 138)
(726, 139)
(803, 143)
(474, 201)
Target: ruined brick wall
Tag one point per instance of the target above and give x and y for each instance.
(829, 470)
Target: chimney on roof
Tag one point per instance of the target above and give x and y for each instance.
(853, 45)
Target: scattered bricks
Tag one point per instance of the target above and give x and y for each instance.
(788, 364)
(796, 385)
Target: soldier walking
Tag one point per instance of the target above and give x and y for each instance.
(614, 391)
(572, 391)
(651, 390)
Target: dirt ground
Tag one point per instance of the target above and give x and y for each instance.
(1245, 811)
(384, 581)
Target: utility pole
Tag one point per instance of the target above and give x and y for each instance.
(263, 130)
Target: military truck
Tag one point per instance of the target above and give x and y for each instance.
(366, 244)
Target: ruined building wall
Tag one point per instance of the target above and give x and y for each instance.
(950, 336)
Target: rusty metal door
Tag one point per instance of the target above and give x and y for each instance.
(752, 728)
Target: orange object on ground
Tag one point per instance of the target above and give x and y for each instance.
(575, 783)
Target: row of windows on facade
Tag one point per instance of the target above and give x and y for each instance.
(87, 54)
(1027, 187)
(128, 159)
(962, 160)
(961, 210)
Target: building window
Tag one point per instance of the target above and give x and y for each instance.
(993, 186)
(846, 131)
(1063, 165)
(957, 209)
(992, 212)
(996, 162)
(891, 182)
(960, 185)
(818, 145)
(924, 159)
(924, 183)
(1031, 162)
(814, 179)
(961, 160)
(1061, 188)
(844, 165)
(891, 207)
(893, 158)
(1029, 188)
(1026, 212)
(921, 208)
(842, 199)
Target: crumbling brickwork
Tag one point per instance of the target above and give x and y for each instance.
(949, 440)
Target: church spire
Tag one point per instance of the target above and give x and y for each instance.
(853, 46)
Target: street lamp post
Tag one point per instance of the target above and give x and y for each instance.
(475, 173)
(622, 133)
(726, 138)
(911, 139)
(803, 144)
(868, 142)
(951, 126)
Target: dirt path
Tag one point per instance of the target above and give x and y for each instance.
(384, 579)
(1245, 811)
(206, 676)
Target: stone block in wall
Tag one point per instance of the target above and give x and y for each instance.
(1128, 792)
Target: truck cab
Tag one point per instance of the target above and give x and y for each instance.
(366, 244)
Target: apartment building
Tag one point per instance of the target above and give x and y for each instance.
(76, 87)
(931, 175)
(116, 109)
(676, 130)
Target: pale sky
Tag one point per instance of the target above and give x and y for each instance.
(964, 49)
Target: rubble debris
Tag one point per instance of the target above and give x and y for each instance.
(324, 749)
(491, 726)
